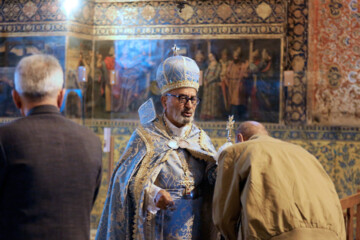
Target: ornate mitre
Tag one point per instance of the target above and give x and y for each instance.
(177, 72)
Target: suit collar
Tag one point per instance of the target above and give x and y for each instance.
(43, 109)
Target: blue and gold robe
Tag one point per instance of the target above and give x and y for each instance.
(147, 160)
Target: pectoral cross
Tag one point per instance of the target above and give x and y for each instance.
(229, 127)
(189, 185)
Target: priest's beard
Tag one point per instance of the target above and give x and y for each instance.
(184, 119)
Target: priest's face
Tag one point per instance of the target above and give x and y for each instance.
(179, 105)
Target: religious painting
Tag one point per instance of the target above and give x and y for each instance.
(12, 49)
(265, 80)
(239, 77)
(79, 78)
(122, 76)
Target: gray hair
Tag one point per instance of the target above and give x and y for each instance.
(38, 76)
(250, 128)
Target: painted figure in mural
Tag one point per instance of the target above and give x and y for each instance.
(101, 76)
(270, 189)
(50, 167)
(110, 66)
(265, 89)
(200, 61)
(235, 81)
(224, 63)
(211, 101)
(81, 61)
(85, 61)
(161, 187)
(86, 84)
(132, 67)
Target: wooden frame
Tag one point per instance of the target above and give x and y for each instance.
(351, 208)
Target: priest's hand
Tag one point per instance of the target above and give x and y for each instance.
(163, 200)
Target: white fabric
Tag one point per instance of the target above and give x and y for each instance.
(152, 191)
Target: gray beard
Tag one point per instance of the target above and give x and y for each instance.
(183, 120)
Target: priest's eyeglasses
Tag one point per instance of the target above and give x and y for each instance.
(183, 99)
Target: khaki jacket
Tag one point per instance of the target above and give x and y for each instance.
(270, 189)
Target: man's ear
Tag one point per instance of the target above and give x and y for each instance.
(163, 101)
(16, 98)
(239, 138)
(60, 97)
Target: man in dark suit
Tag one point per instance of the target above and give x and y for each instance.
(50, 167)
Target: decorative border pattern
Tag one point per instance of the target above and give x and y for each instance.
(30, 28)
(16, 11)
(195, 12)
(190, 31)
(297, 35)
(140, 13)
(218, 130)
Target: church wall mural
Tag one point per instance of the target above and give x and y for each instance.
(125, 75)
(78, 78)
(110, 51)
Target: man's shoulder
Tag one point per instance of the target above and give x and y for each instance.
(195, 126)
(143, 128)
(56, 122)
(198, 130)
(271, 144)
(85, 131)
(234, 148)
(138, 135)
(154, 127)
(256, 139)
(16, 124)
(253, 143)
(271, 140)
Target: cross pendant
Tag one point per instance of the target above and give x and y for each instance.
(188, 186)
